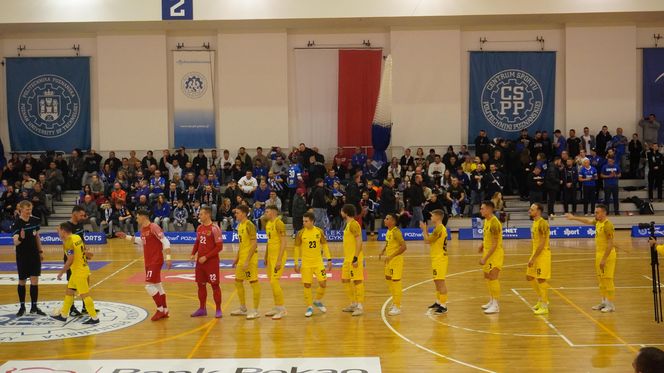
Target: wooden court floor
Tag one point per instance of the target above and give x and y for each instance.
(573, 338)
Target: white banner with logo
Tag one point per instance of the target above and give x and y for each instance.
(193, 99)
(309, 365)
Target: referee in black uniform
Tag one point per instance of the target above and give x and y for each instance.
(29, 255)
(77, 219)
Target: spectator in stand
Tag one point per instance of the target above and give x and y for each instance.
(354, 191)
(55, 181)
(436, 169)
(420, 159)
(298, 208)
(587, 140)
(552, 182)
(359, 159)
(588, 180)
(212, 181)
(118, 193)
(214, 160)
(265, 161)
(481, 144)
(132, 158)
(142, 190)
(238, 171)
(569, 184)
(38, 199)
(232, 192)
(610, 174)
(316, 171)
(226, 165)
(394, 169)
(194, 213)
(279, 167)
(635, 154)
(559, 143)
(165, 159)
(388, 198)
(650, 127)
(162, 213)
(301, 155)
(107, 219)
(446, 180)
(603, 139)
(180, 217)
(113, 161)
(262, 193)
(477, 186)
(319, 196)
(456, 198)
(260, 171)
(536, 186)
(173, 168)
(149, 160)
(407, 160)
(276, 185)
(432, 155)
(107, 176)
(416, 200)
(371, 169)
(493, 181)
(245, 158)
(91, 166)
(124, 218)
(91, 212)
(173, 194)
(573, 144)
(619, 144)
(257, 213)
(274, 200)
(331, 178)
(340, 158)
(248, 185)
(208, 198)
(368, 208)
(97, 186)
(225, 215)
(200, 162)
(157, 185)
(9, 199)
(276, 152)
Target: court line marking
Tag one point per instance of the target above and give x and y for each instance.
(212, 323)
(114, 273)
(433, 318)
(650, 279)
(547, 322)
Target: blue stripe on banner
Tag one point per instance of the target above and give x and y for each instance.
(51, 266)
(48, 103)
(51, 238)
(410, 234)
(653, 85)
(636, 232)
(524, 233)
(511, 91)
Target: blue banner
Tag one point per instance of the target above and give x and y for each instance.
(184, 238)
(636, 232)
(410, 234)
(511, 91)
(52, 238)
(653, 85)
(48, 103)
(524, 232)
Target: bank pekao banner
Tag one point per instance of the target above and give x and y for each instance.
(48, 103)
(511, 91)
(193, 99)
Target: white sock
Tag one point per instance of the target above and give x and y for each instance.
(358, 306)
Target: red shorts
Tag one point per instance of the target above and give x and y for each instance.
(153, 273)
(208, 272)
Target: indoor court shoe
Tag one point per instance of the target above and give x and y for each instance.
(487, 305)
(21, 312)
(350, 308)
(310, 312)
(541, 311)
(37, 311)
(271, 312)
(537, 306)
(279, 315)
(218, 314)
(85, 311)
(358, 311)
(609, 308)
(91, 322)
(73, 312)
(158, 316)
(320, 306)
(440, 310)
(199, 313)
(394, 311)
(599, 307)
(253, 315)
(494, 308)
(59, 318)
(239, 312)
(434, 306)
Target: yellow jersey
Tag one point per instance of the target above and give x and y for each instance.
(603, 232)
(351, 232)
(74, 246)
(540, 232)
(276, 231)
(492, 234)
(393, 241)
(438, 243)
(246, 232)
(311, 245)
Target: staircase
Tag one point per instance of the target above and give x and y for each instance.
(61, 210)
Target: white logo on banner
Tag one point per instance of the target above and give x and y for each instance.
(44, 279)
(194, 85)
(34, 328)
(512, 100)
(49, 106)
(310, 365)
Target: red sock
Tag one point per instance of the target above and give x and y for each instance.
(157, 300)
(202, 295)
(163, 299)
(216, 291)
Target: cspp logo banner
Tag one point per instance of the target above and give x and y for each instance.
(636, 232)
(410, 234)
(265, 365)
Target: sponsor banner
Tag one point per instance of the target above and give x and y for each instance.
(653, 86)
(52, 238)
(524, 233)
(48, 103)
(232, 237)
(636, 232)
(410, 234)
(263, 365)
(44, 279)
(34, 328)
(511, 91)
(193, 99)
(228, 264)
(50, 266)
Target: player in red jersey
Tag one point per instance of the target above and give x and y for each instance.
(154, 244)
(206, 254)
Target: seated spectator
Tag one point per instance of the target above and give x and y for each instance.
(202, 177)
(96, 186)
(9, 199)
(107, 218)
(122, 217)
(446, 180)
(157, 185)
(180, 216)
(143, 203)
(208, 198)
(38, 199)
(123, 180)
(237, 171)
(248, 184)
(331, 178)
(107, 176)
(276, 184)
(433, 203)
(279, 167)
(260, 171)
(55, 181)
(91, 212)
(276, 152)
(274, 200)
(162, 213)
(173, 194)
(264, 161)
(27, 182)
(142, 190)
(118, 193)
(499, 206)
(371, 169)
(257, 213)
(190, 180)
(394, 169)
(225, 215)
(212, 181)
(262, 194)
(194, 213)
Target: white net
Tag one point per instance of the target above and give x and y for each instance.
(383, 115)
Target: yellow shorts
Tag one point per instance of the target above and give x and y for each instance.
(394, 268)
(251, 274)
(308, 274)
(541, 268)
(495, 261)
(610, 267)
(79, 283)
(439, 268)
(348, 272)
(271, 273)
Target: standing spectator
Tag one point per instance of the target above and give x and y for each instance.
(602, 140)
(340, 158)
(162, 213)
(248, 184)
(481, 144)
(552, 182)
(265, 161)
(301, 155)
(587, 140)
(407, 159)
(635, 154)
(358, 160)
(588, 180)
(655, 163)
(279, 167)
(244, 157)
(76, 169)
(214, 160)
(536, 186)
(316, 171)
(319, 196)
(493, 181)
(200, 162)
(299, 207)
(91, 166)
(619, 143)
(238, 171)
(610, 175)
(331, 178)
(477, 185)
(570, 180)
(55, 181)
(650, 127)
(353, 192)
(368, 206)
(416, 200)
(180, 217)
(456, 198)
(573, 144)
(388, 198)
(113, 161)
(149, 160)
(226, 164)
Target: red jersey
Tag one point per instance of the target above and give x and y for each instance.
(152, 247)
(208, 241)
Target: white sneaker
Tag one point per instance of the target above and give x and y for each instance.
(320, 306)
(358, 311)
(599, 307)
(242, 311)
(280, 314)
(494, 308)
(488, 304)
(253, 315)
(350, 308)
(610, 307)
(271, 312)
(310, 312)
(394, 311)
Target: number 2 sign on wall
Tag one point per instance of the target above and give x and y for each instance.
(177, 9)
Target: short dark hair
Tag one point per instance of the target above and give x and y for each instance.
(67, 227)
(539, 206)
(392, 215)
(309, 215)
(272, 207)
(143, 212)
(649, 360)
(601, 206)
(438, 212)
(489, 204)
(349, 210)
(208, 209)
(244, 209)
(77, 209)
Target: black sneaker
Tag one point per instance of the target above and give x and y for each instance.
(21, 312)
(440, 310)
(84, 311)
(59, 318)
(435, 305)
(91, 322)
(36, 311)
(73, 312)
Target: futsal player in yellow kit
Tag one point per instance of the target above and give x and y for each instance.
(492, 255)
(246, 263)
(352, 272)
(309, 243)
(77, 262)
(439, 259)
(394, 248)
(275, 259)
(605, 256)
(539, 264)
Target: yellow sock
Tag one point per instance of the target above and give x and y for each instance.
(397, 288)
(320, 292)
(488, 287)
(66, 306)
(610, 289)
(256, 287)
(544, 291)
(442, 298)
(536, 286)
(359, 293)
(239, 286)
(494, 288)
(308, 297)
(90, 306)
(390, 287)
(278, 292)
(602, 289)
(350, 291)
